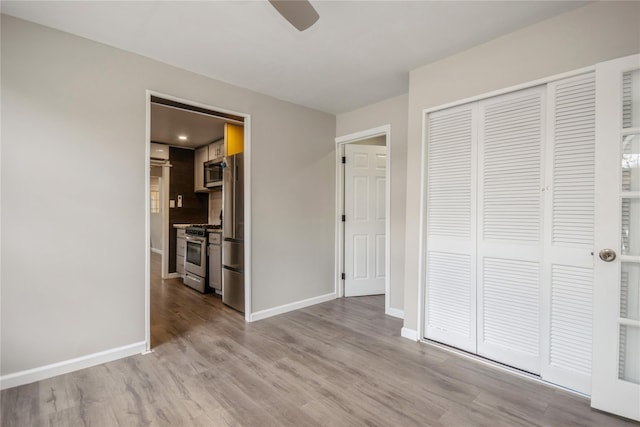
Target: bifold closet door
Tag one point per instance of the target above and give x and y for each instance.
(510, 229)
(569, 235)
(450, 292)
(510, 216)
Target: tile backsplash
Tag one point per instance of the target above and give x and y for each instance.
(215, 206)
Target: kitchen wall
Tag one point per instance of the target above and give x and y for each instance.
(194, 208)
(73, 286)
(597, 32)
(392, 111)
(215, 206)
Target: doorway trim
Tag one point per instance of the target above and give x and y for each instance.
(341, 141)
(147, 234)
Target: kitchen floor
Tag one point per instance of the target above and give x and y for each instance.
(340, 363)
(176, 309)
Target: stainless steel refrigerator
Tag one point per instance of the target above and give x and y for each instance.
(233, 232)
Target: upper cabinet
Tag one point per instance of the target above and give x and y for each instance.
(233, 138)
(216, 150)
(159, 151)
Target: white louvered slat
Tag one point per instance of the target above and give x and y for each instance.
(448, 297)
(511, 168)
(510, 304)
(574, 156)
(571, 318)
(449, 189)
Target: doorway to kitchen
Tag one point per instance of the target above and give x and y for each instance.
(188, 131)
(363, 213)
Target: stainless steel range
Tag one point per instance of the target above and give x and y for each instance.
(195, 260)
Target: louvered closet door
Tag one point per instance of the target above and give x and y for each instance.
(510, 228)
(450, 304)
(568, 265)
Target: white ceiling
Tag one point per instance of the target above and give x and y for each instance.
(167, 123)
(359, 52)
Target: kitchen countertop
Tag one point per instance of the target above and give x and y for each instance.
(183, 226)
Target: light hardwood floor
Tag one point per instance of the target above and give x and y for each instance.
(341, 363)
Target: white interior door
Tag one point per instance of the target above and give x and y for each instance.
(365, 214)
(616, 347)
(567, 321)
(511, 135)
(450, 291)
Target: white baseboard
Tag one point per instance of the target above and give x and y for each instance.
(263, 314)
(66, 366)
(156, 251)
(173, 276)
(395, 312)
(410, 334)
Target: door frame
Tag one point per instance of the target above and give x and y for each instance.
(147, 186)
(341, 141)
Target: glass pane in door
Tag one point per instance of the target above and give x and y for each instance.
(629, 367)
(631, 99)
(630, 226)
(631, 162)
(630, 291)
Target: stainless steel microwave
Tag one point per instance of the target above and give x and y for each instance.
(213, 173)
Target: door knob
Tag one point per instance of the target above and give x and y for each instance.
(607, 255)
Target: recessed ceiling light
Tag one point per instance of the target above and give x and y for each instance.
(182, 137)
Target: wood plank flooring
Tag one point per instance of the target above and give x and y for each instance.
(341, 363)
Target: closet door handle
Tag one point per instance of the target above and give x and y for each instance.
(607, 255)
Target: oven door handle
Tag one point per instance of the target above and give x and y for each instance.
(194, 239)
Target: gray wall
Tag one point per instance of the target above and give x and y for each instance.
(580, 38)
(73, 194)
(392, 111)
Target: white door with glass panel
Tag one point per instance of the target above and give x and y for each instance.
(365, 208)
(616, 349)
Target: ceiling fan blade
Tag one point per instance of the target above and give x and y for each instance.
(300, 13)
